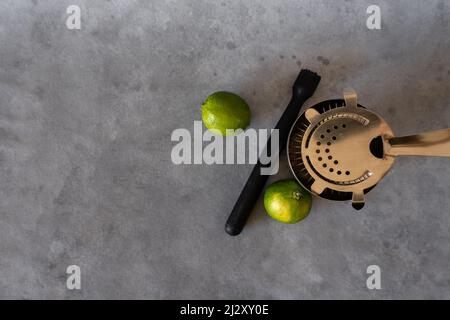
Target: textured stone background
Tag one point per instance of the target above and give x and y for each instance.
(85, 169)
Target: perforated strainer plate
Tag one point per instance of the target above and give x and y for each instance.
(329, 150)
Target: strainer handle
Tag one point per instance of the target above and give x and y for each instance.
(434, 143)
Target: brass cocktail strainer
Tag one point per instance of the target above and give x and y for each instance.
(340, 150)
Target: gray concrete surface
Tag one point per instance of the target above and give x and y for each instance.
(85, 169)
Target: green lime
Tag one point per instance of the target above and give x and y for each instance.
(286, 201)
(225, 110)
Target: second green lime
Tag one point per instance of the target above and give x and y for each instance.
(286, 201)
(225, 110)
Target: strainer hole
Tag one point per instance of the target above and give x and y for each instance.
(322, 136)
(334, 138)
(317, 151)
(328, 143)
(324, 165)
(331, 169)
(328, 130)
(327, 150)
(347, 173)
(335, 127)
(330, 157)
(336, 162)
(339, 172)
(318, 143)
(319, 158)
(344, 126)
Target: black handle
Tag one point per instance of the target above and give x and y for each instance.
(304, 86)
